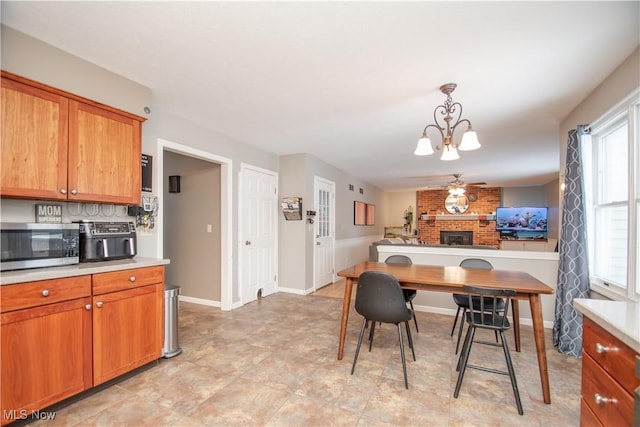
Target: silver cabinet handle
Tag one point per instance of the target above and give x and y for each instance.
(63, 191)
(99, 304)
(601, 400)
(74, 191)
(88, 307)
(132, 278)
(45, 292)
(604, 349)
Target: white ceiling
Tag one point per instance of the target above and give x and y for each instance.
(354, 83)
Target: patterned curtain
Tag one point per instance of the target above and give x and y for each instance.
(573, 271)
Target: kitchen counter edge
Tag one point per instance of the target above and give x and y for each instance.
(621, 319)
(32, 275)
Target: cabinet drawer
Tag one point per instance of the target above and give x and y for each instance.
(597, 383)
(127, 279)
(31, 294)
(615, 357)
(587, 417)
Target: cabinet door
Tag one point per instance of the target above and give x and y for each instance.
(127, 330)
(104, 155)
(46, 356)
(34, 135)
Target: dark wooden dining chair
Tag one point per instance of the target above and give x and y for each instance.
(462, 301)
(379, 298)
(487, 316)
(409, 294)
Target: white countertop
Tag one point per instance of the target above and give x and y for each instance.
(33, 274)
(621, 319)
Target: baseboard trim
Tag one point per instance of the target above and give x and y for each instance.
(200, 301)
(295, 291)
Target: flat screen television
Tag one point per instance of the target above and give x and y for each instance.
(521, 219)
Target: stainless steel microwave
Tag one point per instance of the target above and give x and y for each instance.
(33, 245)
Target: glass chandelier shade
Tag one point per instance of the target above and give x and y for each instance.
(469, 141)
(449, 152)
(449, 110)
(424, 147)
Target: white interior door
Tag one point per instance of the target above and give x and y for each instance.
(324, 257)
(258, 235)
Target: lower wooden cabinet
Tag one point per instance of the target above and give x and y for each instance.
(46, 356)
(608, 378)
(127, 330)
(63, 336)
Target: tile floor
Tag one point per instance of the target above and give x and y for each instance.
(273, 362)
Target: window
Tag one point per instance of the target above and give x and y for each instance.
(612, 201)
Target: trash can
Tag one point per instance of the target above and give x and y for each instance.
(171, 345)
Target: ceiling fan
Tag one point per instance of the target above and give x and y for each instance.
(459, 183)
(439, 182)
(457, 186)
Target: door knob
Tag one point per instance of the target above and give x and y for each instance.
(247, 242)
(99, 304)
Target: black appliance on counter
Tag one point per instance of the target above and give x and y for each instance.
(107, 240)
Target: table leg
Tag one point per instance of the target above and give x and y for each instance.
(515, 311)
(346, 303)
(538, 334)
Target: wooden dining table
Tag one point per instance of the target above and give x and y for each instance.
(450, 279)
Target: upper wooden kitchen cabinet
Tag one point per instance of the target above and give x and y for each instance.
(104, 155)
(35, 135)
(59, 146)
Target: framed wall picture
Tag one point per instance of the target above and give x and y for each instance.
(371, 215)
(359, 213)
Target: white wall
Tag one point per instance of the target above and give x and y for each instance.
(623, 81)
(547, 195)
(166, 126)
(194, 251)
(397, 204)
(523, 196)
(36, 60)
(297, 238)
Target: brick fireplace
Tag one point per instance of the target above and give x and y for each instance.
(448, 237)
(431, 202)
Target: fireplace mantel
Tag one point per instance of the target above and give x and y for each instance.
(470, 217)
